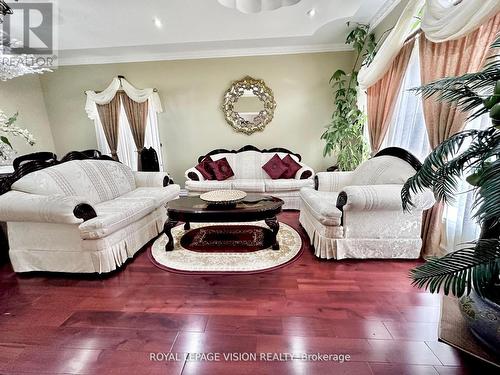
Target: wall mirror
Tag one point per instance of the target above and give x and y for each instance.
(249, 105)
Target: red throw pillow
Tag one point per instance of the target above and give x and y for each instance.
(205, 168)
(275, 167)
(292, 167)
(222, 169)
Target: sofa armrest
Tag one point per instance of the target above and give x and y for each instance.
(332, 181)
(380, 197)
(152, 179)
(304, 173)
(194, 175)
(19, 206)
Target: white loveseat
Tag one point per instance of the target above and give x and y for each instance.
(359, 214)
(83, 216)
(249, 176)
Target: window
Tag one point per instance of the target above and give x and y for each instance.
(407, 127)
(460, 226)
(127, 152)
(407, 130)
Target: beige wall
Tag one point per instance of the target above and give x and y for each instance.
(191, 92)
(24, 95)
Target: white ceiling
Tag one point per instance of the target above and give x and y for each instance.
(104, 31)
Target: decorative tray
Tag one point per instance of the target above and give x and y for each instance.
(223, 197)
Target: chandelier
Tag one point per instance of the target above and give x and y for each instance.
(12, 66)
(5, 9)
(257, 6)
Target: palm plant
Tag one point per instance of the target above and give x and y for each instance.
(475, 265)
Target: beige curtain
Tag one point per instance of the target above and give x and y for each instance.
(137, 115)
(383, 94)
(438, 60)
(109, 115)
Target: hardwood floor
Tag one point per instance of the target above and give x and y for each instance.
(66, 324)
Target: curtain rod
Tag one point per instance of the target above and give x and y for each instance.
(121, 90)
(413, 35)
(119, 77)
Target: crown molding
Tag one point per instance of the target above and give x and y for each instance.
(383, 12)
(91, 58)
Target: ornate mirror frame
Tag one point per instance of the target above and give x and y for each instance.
(231, 97)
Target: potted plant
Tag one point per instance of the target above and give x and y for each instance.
(344, 135)
(7, 128)
(472, 271)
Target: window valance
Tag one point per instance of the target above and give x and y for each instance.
(445, 20)
(369, 75)
(442, 20)
(119, 83)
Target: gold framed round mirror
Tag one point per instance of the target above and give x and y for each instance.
(249, 105)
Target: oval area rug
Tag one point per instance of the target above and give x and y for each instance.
(182, 260)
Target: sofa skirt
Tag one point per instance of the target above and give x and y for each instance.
(356, 248)
(59, 248)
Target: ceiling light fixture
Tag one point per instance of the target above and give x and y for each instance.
(157, 22)
(257, 6)
(312, 12)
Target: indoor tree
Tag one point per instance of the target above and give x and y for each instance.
(344, 135)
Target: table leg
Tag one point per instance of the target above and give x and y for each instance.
(167, 229)
(275, 227)
(187, 226)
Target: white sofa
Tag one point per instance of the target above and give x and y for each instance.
(359, 214)
(249, 176)
(83, 216)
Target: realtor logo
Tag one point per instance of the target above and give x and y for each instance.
(29, 29)
(28, 39)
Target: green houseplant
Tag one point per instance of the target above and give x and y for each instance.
(471, 271)
(344, 135)
(7, 128)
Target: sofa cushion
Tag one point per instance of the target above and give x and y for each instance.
(96, 180)
(322, 205)
(202, 186)
(206, 169)
(249, 185)
(247, 165)
(161, 196)
(222, 170)
(292, 167)
(382, 170)
(275, 167)
(287, 184)
(115, 214)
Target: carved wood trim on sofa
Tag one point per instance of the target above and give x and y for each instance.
(249, 148)
(29, 163)
(402, 154)
(84, 211)
(36, 156)
(193, 176)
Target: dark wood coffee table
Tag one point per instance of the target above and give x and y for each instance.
(192, 209)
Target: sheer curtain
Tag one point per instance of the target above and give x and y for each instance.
(407, 127)
(126, 146)
(407, 130)
(459, 224)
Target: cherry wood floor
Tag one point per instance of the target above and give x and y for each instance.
(67, 324)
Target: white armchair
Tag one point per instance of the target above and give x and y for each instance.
(359, 214)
